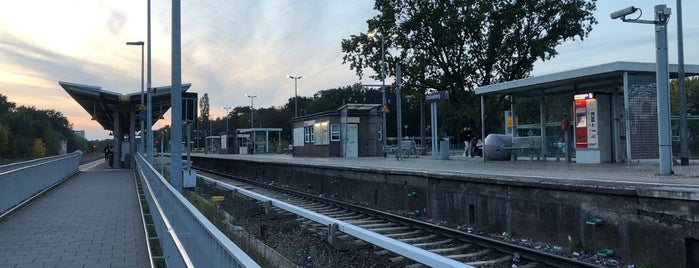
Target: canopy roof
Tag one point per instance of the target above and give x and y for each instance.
(102, 104)
(597, 78)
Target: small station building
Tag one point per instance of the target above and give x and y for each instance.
(353, 130)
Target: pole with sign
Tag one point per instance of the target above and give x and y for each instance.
(432, 99)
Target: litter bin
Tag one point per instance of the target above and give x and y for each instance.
(497, 147)
(444, 148)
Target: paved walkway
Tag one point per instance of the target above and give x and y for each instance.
(91, 220)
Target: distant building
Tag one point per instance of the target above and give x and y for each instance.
(79, 133)
(353, 130)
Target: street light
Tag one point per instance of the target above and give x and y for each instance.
(227, 115)
(684, 147)
(383, 84)
(141, 107)
(252, 120)
(296, 96)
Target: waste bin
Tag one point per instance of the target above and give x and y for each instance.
(497, 147)
(444, 148)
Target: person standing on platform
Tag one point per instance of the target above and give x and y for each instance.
(110, 155)
(466, 137)
(106, 153)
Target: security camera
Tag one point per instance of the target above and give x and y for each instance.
(622, 13)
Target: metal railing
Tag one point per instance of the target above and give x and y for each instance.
(20, 182)
(417, 254)
(186, 236)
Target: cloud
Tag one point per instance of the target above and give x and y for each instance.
(116, 21)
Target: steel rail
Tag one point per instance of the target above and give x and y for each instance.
(401, 248)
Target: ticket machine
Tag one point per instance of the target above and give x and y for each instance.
(592, 138)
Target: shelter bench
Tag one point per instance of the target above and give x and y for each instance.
(528, 144)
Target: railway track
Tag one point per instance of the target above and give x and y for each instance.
(463, 247)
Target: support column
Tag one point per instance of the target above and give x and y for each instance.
(542, 125)
(117, 140)
(132, 138)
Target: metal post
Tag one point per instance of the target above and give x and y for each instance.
(296, 95)
(149, 121)
(399, 118)
(383, 96)
(483, 128)
(143, 143)
(211, 140)
(662, 75)
(433, 123)
(684, 146)
(252, 120)
(228, 113)
(176, 101)
(542, 126)
(142, 146)
(189, 151)
(116, 155)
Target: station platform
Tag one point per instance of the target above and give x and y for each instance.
(91, 220)
(634, 174)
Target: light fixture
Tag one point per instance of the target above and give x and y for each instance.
(94, 112)
(161, 111)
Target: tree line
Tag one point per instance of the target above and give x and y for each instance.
(26, 132)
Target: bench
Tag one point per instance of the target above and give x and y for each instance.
(529, 144)
(408, 148)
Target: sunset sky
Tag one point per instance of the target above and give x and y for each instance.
(231, 48)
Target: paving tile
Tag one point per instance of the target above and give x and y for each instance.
(88, 221)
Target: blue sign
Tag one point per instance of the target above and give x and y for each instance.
(437, 96)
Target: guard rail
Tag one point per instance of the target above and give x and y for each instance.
(186, 236)
(21, 182)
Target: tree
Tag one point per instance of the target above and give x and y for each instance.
(6, 107)
(204, 112)
(457, 45)
(38, 148)
(691, 85)
(4, 140)
(28, 132)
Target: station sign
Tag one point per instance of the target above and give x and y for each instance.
(437, 96)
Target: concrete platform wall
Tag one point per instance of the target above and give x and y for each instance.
(646, 227)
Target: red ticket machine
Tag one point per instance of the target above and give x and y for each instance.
(586, 135)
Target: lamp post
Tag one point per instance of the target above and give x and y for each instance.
(684, 147)
(227, 115)
(296, 96)
(383, 85)
(252, 119)
(143, 140)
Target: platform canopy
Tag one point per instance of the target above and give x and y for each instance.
(605, 76)
(102, 104)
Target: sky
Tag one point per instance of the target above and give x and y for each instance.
(231, 48)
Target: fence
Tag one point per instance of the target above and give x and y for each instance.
(186, 236)
(19, 182)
